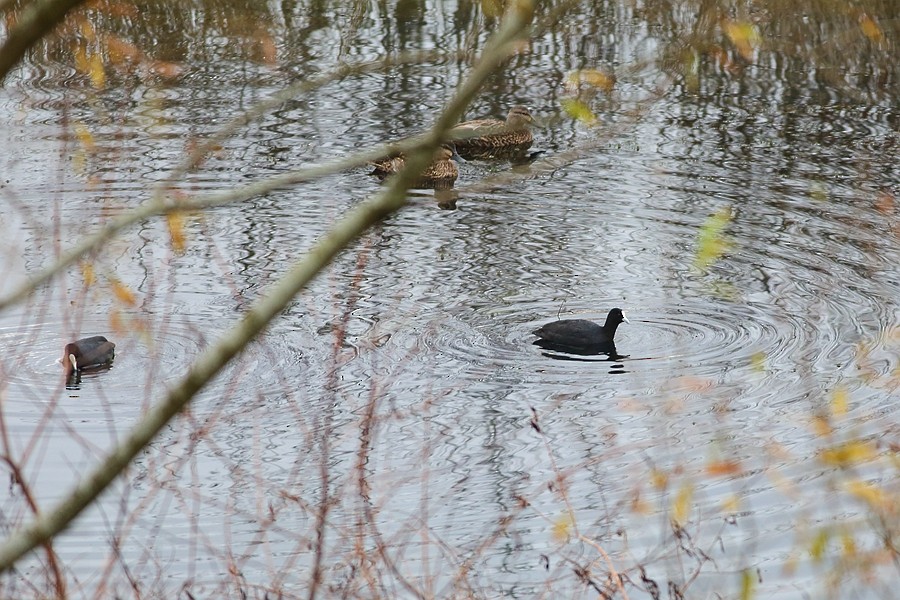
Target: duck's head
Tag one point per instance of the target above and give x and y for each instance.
(447, 151)
(519, 117)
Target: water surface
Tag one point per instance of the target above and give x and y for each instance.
(460, 460)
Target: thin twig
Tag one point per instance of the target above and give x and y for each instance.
(269, 306)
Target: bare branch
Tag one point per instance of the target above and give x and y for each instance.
(498, 49)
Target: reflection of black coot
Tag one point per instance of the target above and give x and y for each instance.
(88, 354)
(580, 336)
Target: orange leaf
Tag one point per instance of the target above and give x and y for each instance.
(121, 51)
(590, 77)
(123, 293)
(175, 221)
(732, 503)
(870, 28)
(87, 30)
(723, 467)
(268, 51)
(885, 203)
(165, 70)
(659, 479)
(115, 320)
(821, 425)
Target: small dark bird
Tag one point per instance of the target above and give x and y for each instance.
(493, 138)
(580, 336)
(88, 354)
(439, 175)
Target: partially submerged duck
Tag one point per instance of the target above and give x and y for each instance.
(484, 138)
(580, 336)
(88, 354)
(440, 174)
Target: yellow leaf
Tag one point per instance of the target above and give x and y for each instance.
(579, 111)
(818, 191)
(85, 137)
(758, 362)
(747, 581)
(87, 274)
(870, 494)
(691, 70)
(871, 29)
(492, 8)
(819, 544)
(744, 36)
(82, 64)
(839, 401)
(123, 293)
(711, 241)
(561, 528)
(96, 71)
(848, 454)
(681, 510)
(175, 222)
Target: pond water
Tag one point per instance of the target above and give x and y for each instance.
(736, 196)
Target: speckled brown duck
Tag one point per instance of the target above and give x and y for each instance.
(440, 174)
(493, 137)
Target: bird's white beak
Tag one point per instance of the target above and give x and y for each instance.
(74, 362)
(624, 318)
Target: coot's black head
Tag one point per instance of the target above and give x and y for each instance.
(615, 317)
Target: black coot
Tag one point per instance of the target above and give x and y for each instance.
(88, 354)
(580, 336)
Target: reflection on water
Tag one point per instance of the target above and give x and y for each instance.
(402, 391)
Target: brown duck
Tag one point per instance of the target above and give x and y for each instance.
(439, 175)
(495, 138)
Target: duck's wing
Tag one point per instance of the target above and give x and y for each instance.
(480, 127)
(386, 166)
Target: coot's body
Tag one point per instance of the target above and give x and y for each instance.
(581, 336)
(88, 354)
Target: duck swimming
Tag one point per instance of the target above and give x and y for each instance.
(440, 174)
(493, 137)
